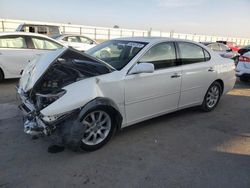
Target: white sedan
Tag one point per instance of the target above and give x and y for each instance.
(79, 42)
(19, 48)
(243, 67)
(85, 100)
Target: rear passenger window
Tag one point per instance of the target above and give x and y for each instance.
(72, 39)
(44, 44)
(224, 47)
(86, 40)
(214, 47)
(192, 53)
(12, 42)
(161, 55)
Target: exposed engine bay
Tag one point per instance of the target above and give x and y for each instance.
(64, 71)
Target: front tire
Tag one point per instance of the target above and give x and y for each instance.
(99, 128)
(212, 97)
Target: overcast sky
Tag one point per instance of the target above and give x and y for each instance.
(213, 17)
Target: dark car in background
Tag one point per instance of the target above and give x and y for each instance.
(244, 50)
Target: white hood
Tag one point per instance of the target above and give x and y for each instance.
(36, 68)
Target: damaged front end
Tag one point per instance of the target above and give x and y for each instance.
(43, 82)
(35, 123)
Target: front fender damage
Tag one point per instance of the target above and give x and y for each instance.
(68, 130)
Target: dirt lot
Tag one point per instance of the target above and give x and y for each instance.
(183, 149)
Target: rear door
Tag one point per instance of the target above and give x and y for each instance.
(74, 42)
(86, 43)
(14, 55)
(197, 73)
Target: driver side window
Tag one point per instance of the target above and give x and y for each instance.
(161, 55)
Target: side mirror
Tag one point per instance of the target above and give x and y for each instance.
(142, 68)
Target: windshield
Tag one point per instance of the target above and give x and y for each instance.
(117, 53)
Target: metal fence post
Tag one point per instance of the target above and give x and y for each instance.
(63, 29)
(95, 33)
(149, 32)
(108, 33)
(80, 30)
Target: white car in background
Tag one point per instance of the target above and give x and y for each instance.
(19, 48)
(85, 100)
(243, 67)
(78, 42)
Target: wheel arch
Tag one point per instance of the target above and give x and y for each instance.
(221, 84)
(107, 103)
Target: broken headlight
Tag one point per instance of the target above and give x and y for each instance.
(43, 100)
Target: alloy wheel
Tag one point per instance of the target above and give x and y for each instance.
(98, 126)
(213, 96)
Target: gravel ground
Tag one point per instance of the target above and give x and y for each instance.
(188, 148)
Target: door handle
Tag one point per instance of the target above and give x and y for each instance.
(175, 75)
(211, 69)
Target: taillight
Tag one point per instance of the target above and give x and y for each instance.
(244, 59)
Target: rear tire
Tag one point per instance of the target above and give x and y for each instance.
(244, 79)
(212, 97)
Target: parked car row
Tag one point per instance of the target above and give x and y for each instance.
(19, 48)
(78, 42)
(222, 49)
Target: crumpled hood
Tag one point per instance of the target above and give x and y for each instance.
(36, 68)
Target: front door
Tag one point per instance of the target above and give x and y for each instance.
(151, 94)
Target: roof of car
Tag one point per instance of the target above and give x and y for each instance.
(28, 34)
(69, 35)
(151, 39)
(22, 33)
